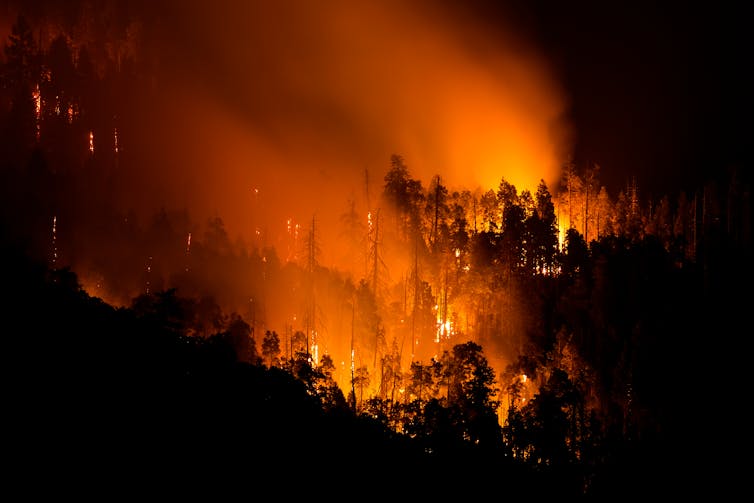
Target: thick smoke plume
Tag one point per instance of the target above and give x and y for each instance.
(289, 109)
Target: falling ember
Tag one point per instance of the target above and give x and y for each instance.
(115, 141)
(293, 232)
(188, 250)
(37, 96)
(149, 271)
(54, 241)
(91, 142)
(315, 349)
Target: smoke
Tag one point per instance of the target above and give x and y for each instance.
(277, 110)
(272, 115)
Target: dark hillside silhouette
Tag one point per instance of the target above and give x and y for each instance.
(131, 402)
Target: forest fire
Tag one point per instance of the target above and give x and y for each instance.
(378, 201)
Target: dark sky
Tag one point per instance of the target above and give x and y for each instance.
(659, 90)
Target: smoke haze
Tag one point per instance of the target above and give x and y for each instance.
(289, 109)
(273, 117)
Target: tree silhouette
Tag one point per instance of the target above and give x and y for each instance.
(472, 390)
(575, 254)
(271, 348)
(542, 230)
(242, 339)
(405, 195)
(361, 380)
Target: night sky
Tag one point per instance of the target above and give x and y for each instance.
(658, 90)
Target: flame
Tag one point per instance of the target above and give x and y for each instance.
(315, 348)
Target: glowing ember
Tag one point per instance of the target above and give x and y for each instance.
(54, 241)
(188, 251)
(37, 97)
(315, 348)
(149, 272)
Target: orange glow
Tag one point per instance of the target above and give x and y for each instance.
(382, 77)
(301, 101)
